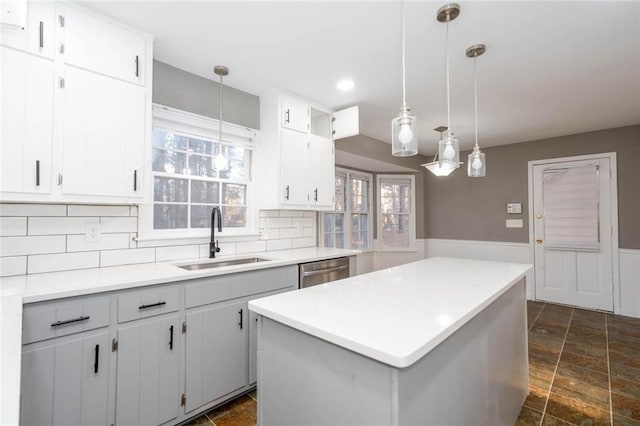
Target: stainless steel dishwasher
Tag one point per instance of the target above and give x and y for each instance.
(324, 271)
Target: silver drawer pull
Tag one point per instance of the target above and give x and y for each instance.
(324, 271)
(59, 323)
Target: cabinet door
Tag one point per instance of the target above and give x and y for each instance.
(322, 172)
(103, 134)
(66, 383)
(294, 168)
(97, 45)
(346, 123)
(294, 114)
(27, 123)
(216, 352)
(148, 388)
(38, 37)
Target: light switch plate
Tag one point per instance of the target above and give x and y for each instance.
(514, 223)
(514, 208)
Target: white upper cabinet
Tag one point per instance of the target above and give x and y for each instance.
(294, 169)
(27, 123)
(76, 108)
(294, 114)
(39, 34)
(295, 158)
(103, 135)
(346, 122)
(97, 45)
(322, 187)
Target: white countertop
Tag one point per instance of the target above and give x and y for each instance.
(16, 291)
(395, 315)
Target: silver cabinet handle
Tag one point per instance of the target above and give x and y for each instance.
(37, 172)
(324, 271)
(41, 34)
(286, 197)
(59, 178)
(137, 66)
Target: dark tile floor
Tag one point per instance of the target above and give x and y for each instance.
(241, 411)
(584, 369)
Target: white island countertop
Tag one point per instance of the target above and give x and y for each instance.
(399, 314)
(19, 290)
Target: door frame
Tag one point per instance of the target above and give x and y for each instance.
(615, 249)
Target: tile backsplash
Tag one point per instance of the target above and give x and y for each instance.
(37, 238)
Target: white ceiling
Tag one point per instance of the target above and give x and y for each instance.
(551, 68)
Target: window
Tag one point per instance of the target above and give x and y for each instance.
(349, 226)
(186, 182)
(396, 212)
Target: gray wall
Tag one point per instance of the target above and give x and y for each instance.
(459, 207)
(372, 148)
(180, 89)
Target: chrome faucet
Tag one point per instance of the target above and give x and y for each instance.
(216, 221)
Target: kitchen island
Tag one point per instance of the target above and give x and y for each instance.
(439, 341)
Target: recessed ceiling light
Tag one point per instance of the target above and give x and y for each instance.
(345, 85)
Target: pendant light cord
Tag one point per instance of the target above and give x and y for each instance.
(220, 123)
(475, 96)
(446, 42)
(404, 100)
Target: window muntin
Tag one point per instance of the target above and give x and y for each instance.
(396, 228)
(186, 184)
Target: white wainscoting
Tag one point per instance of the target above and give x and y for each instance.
(485, 250)
(630, 283)
(364, 262)
(388, 259)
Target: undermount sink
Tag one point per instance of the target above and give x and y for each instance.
(221, 263)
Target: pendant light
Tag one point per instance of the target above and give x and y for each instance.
(404, 137)
(448, 147)
(435, 166)
(477, 165)
(220, 163)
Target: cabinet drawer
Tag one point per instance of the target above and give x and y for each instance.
(47, 320)
(225, 287)
(147, 303)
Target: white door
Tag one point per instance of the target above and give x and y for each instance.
(572, 228)
(295, 114)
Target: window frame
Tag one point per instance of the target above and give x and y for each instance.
(412, 212)
(347, 174)
(189, 123)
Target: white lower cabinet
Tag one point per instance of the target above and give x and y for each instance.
(151, 356)
(216, 353)
(148, 387)
(65, 381)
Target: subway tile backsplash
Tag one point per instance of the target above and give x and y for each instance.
(36, 238)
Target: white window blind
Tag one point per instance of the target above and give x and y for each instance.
(570, 199)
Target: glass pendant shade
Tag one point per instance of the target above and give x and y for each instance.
(449, 151)
(439, 170)
(477, 165)
(404, 136)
